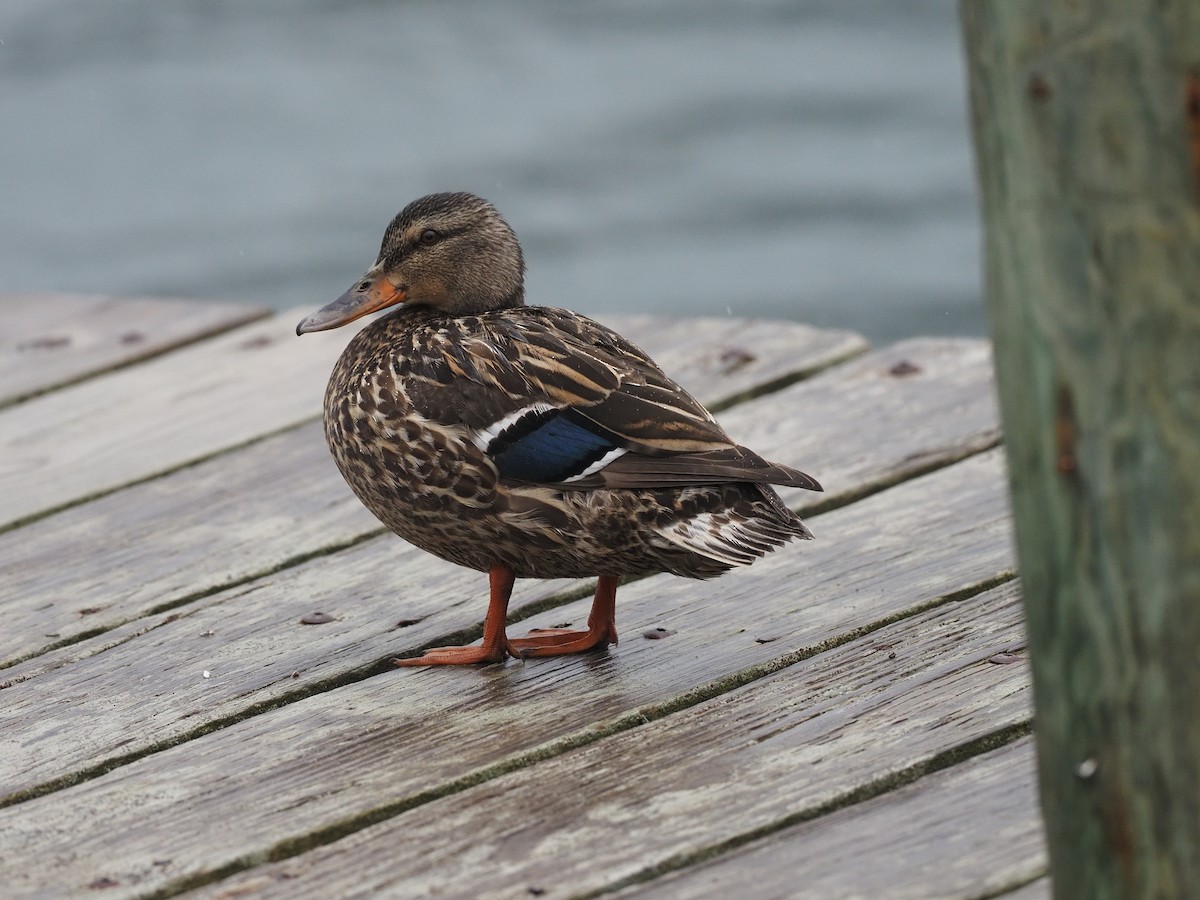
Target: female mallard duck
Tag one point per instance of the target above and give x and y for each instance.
(526, 441)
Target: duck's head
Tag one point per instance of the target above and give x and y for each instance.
(452, 252)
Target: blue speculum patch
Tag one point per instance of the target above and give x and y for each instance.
(554, 449)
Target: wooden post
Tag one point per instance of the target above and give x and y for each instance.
(1087, 128)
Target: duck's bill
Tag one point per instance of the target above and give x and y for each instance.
(367, 296)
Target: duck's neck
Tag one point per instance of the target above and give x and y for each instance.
(469, 304)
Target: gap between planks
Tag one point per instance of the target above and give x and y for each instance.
(387, 555)
(917, 423)
(123, 428)
(519, 764)
(52, 341)
(555, 601)
(966, 828)
(797, 719)
(931, 503)
(794, 351)
(909, 475)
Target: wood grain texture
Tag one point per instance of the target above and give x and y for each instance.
(1087, 126)
(965, 832)
(878, 419)
(153, 545)
(740, 355)
(131, 424)
(250, 511)
(336, 756)
(774, 750)
(368, 588)
(50, 340)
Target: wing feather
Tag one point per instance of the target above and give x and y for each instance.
(494, 370)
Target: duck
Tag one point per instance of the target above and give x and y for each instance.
(529, 441)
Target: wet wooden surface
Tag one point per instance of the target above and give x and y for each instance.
(847, 717)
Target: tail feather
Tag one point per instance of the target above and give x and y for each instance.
(730, 537)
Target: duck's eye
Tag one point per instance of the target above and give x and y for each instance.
(429, 236)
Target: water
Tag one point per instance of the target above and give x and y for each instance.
(804, 160)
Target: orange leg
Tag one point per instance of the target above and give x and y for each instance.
(496, 645)
(601, 631)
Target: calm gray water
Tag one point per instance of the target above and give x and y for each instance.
(806, 160)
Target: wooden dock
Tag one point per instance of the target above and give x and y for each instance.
(850, 717)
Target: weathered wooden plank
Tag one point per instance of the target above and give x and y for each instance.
(776, 750)
(965, 832)
(50, 340)
(153, 545)
(916, 404)
(250, 511)
(334, 756)
(740, 355)
(137, 422)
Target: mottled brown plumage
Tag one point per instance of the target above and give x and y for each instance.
(529, 441)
